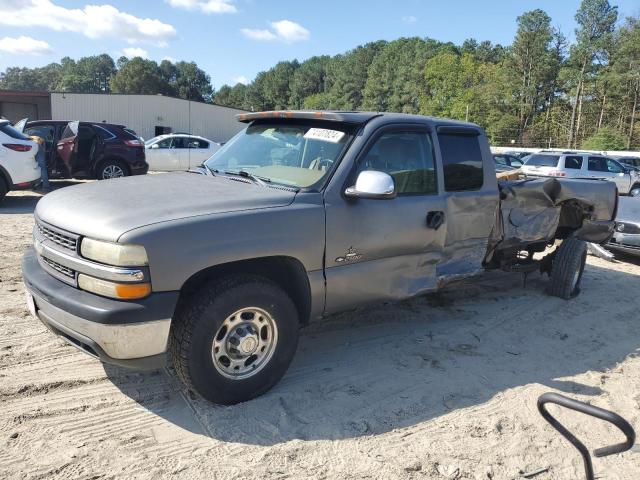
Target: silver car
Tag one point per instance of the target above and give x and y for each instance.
(583, 165)
(627, 228)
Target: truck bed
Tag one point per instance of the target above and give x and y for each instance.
(536, 212)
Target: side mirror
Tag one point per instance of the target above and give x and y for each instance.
(372, 184)
(154, 146)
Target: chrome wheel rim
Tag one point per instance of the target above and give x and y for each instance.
(635, 192)
(112, 171)
(244, 343)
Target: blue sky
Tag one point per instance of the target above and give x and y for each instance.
(235, 39)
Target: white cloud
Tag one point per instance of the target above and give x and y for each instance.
(93, 21)
(290, 31)
(409, 19)
(131, 52)
(284, 30)
(258, 34)
(240, 79)
(206, 6)
(23, 44)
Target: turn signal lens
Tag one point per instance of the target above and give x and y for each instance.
(121, 291)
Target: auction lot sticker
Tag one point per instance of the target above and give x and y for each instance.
(324, 134)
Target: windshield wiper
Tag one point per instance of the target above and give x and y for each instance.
(244, 174)
(208, 169)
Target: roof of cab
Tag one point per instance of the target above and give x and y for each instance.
(355, 118)
(336, 116)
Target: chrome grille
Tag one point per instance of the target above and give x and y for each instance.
(66, 271)
(64, 240)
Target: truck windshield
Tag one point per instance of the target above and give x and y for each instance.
(297, 155)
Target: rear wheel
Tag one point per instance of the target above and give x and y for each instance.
(111, 169)
(3, 188)
(635, 190)
(234, 339)
(567, 268)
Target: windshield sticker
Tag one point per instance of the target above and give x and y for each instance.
(324, 134)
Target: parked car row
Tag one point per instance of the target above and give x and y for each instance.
(18, 167)
(572, 164)
(92, 150)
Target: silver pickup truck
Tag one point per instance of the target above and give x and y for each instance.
(300, 215)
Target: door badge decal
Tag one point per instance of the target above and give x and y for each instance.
(351, 256)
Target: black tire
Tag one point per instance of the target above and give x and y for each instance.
(198, 321)
(567, 268)
(106, 167)
(3, 188)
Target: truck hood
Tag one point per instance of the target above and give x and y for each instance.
(107, 209)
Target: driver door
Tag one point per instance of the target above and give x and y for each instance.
(387, 249)
(162, 155)
(68, 145)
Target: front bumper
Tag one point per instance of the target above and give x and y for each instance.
(130, 334)
(625, 242)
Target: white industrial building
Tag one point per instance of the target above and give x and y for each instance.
(148, 115)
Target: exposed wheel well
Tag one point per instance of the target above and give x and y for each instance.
(572, 215)
(287, 272)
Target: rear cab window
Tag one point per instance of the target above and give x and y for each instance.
(461, 161)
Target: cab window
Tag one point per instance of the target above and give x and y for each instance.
(408, 158)
(598, 164)
(180, 142)
(573, 162)
(166, 143)
(461, 162)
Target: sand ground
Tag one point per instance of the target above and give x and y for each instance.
(443, 386)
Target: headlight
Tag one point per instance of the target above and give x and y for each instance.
(114, 253)
(124, 291)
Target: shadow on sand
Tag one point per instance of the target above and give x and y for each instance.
(390, 366)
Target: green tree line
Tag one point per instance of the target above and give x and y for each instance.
(100, 74)
(538, 92)
(541, 91)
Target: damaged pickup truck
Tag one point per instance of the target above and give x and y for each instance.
(300, 215)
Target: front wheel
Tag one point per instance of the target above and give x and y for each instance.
(234, 339)
(111, 169)
(635, 191)
(567, 268)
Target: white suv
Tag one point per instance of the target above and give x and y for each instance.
(582, 165)
(178, 151)
(18, 167)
